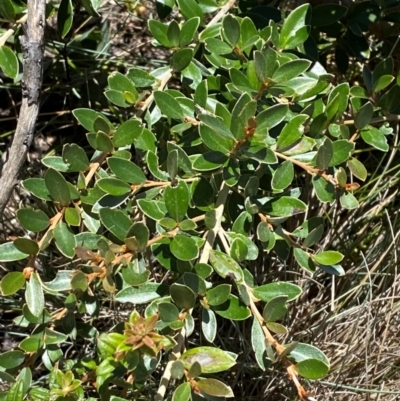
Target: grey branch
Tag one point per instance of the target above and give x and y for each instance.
(32, 43)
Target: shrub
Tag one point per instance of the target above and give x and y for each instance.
(181, 190)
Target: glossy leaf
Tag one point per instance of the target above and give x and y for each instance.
(8, 62)
(9, 253)
(64, 239)
(214, 388)
(34, 296)
(168, 105)
(33, 220)
(12, 282)
(374, 137)
(65, 17)
(212, 360)
(269, 291)
(224, 265)
(184, 247)
(283, 176)
(57, 186)
(177, 200)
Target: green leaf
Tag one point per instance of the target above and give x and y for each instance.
(72, 216)
(114, 186)
(182, 296)
(258, 343)
(211, 360)
(303, 352)
(177, 200)
(304, 259)
(9, 253)
(217, 46)
(116, 221)
(293, 28)
(328, 257)
(189, 31)
(9, 9)
(208, 161)
(209, 325)
(57, 187)
(79, 282)
(218, 295)
(260, 65)
(217, 125)
(135, 273)
(160, 32)
(312, 369)
(341, 151)
(184, 247)
(375, 138)
(190, 9)
(168, 312)
(140, 78)
(283, 176)
(382, 82)
(55, 162)
(364, 116)
(181, 59)
(8, 62)
(87, 117)
(173, 32)
(27, 245)
(33, 220)
(34, 296)
(348, 201)
(357, 168)
(75, 157)
(154, 210)
(224, 265)
(37, 187)
(168, 105)
(65, 240)
(12, 282)
(290, 70)
(127, 133)
(118, 98)
(269, 291)
(126, 170)
(291, 132)
(177, 369)
(284, 206)
(324, 154)
(65, 17)
(215, 388)
(11, 359)
(275, 309)
(324, 189)
(214, 140)
(231, 29)
(390, 100)
(182, 392)
(54, 337)
(238, 250)
(271, 117)
(142, 295)
(233, 309)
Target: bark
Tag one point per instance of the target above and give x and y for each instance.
(32, 44)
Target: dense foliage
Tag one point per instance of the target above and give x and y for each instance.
(197, 171)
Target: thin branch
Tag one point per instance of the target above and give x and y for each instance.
(32, 46)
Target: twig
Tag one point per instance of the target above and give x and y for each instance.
(32, 45)
(224, 9)
(10, 32)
